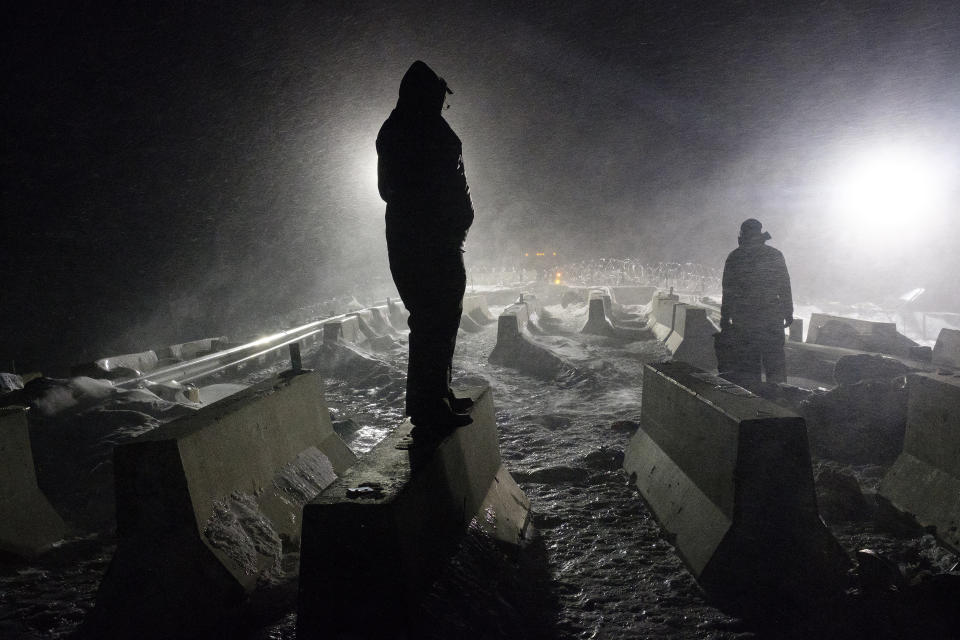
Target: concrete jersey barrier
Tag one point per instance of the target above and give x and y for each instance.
(28, 523)
(206, 503)
(946, 351)
(728, 477)
(397, 314)
(380, 535)
(600, 320)
(661, 310)
(114, 366)
(862, 335)
(924, 482)
(344, 328)
(692, 337)
(192, 349)
(475, 308)
(516, 347)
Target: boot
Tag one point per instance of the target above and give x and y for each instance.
(459, 405)
(437, 414)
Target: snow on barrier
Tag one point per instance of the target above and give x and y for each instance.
(28, 524)
(692, 337)
(375, 540)
(728, 477)
(862, 335)
(207, 504)
(946, 351)
(924, 482)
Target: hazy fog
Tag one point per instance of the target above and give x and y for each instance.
(170, 169)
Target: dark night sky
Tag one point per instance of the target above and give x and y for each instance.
(167, 169)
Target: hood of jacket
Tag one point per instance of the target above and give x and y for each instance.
(422, 91)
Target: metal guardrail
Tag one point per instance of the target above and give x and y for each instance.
(209, 364)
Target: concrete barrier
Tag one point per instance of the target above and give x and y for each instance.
(475, 308)
(600, 321)
(862, 335)
(375, 540)
(728, 477)
(207, 504)
(397, 314)
(345, 328)
(661, 310)
(692, 337)
(517, 348)
(192, 349)
(512, 324)
(365, 323)
(946, 351)
(28, 524)
(924, 482)
(380, 321)
(117, 366)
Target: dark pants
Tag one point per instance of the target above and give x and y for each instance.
(431, 283)
(744, 353)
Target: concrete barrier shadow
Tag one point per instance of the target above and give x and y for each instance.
(728, 477)
(29, 525)
(382, 532)
(208, 504)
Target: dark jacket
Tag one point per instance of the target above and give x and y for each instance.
(420, 165)
(756, 287)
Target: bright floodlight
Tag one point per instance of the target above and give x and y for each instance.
(889, 192)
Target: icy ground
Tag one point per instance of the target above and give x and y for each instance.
(597, 567)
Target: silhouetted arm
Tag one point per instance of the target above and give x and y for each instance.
(727, 302)
(785, 294)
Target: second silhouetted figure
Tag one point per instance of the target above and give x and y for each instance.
(757, 305)
(421, 178)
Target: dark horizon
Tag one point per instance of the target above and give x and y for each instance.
(210, 161)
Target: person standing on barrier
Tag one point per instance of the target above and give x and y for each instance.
(757, 306)
(421, 178)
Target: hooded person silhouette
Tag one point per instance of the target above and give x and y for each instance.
(429, 211)
(757, 305)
